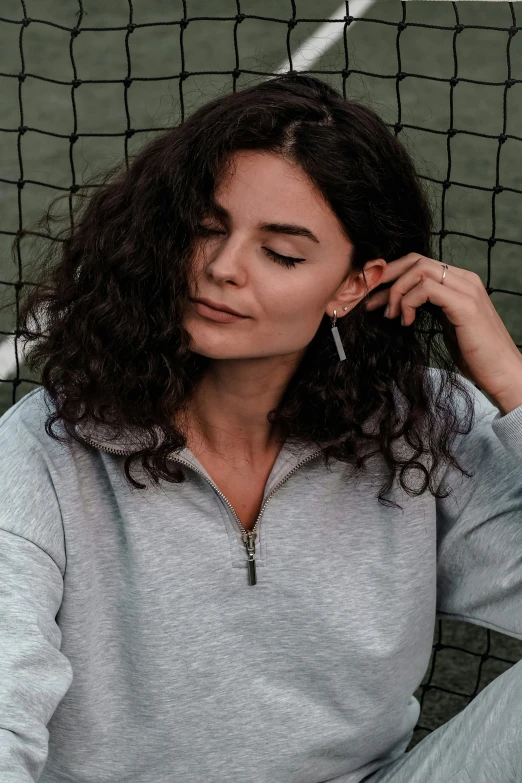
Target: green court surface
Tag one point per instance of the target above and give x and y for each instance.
(429, 51)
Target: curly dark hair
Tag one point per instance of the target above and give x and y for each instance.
(115, 351)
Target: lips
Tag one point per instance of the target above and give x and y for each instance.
(218, 306)
(220, 316)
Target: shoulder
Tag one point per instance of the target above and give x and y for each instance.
(26, 418)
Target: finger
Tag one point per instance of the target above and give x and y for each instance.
(379, 299)
(426, 270)
(464, 283)
(456, 304)
(396, 268)
(413, 261)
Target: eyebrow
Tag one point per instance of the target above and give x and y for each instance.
(278, 228)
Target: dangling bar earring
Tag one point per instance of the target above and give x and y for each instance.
(335, 332)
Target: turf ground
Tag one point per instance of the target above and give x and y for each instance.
(428, 50)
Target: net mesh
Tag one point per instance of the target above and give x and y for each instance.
(474, 644)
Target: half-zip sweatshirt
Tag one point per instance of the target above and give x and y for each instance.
(147, 637)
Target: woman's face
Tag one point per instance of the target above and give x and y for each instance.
(234, 266)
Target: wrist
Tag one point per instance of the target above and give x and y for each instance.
(512, 397)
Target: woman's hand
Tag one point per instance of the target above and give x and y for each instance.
(492, 360)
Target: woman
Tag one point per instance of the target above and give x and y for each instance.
(129, 622)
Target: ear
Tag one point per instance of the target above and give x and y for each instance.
(373, 274)
(357, 286)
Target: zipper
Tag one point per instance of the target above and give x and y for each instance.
(249, 537)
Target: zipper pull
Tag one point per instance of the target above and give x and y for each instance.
(250, 543)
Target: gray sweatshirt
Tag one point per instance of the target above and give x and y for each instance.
(137, 644)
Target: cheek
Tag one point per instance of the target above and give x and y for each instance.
(291, 326)
(297, 293)
(300, 307)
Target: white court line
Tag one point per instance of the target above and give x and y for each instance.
(302, 59)
(325, 36)
(8, 357)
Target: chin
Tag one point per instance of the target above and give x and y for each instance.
(206, 348)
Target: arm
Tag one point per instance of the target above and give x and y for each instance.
(34, 674)
(479, 526)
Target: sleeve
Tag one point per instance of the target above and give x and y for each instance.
(34, 674)
(479, 526)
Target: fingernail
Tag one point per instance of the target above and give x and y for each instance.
(402, 320)
(387, 311)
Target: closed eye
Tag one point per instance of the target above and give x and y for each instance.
(283, 260)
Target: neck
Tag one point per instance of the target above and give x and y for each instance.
(229, 409)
